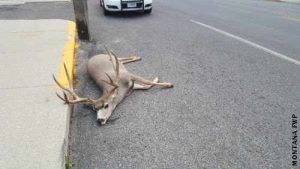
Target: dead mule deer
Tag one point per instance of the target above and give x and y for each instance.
(110, 74)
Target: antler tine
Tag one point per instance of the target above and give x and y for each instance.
(111, 82)
(68, 76)
(117, 64)
(116, 67)
(60, 97)
(110, 92)
(61, 86)
(108, 52)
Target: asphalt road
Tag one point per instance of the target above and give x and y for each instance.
(232, 103)
(38, 10)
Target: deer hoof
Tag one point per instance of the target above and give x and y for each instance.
(156, 80)
(170, 85)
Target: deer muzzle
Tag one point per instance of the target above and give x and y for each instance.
(103, 115)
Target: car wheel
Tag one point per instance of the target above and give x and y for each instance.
(105, 12)
(148, 11)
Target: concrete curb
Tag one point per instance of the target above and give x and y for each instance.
(68, 59)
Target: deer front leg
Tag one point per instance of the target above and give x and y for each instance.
(148, 82)
(129, 59)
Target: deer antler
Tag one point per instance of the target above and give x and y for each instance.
(74, 97)
(111, 82)
(116, 67)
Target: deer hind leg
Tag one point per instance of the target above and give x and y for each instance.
(129, 59)
(137, 86)
(148, 83)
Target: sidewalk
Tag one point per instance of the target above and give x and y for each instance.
(33, 121)
(17, 2)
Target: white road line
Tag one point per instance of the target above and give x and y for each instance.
(297, 62)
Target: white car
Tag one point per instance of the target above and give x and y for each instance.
(126, 5)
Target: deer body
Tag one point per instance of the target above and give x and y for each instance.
(98, 65)
(110, 74)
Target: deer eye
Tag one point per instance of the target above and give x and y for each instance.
(105, 105)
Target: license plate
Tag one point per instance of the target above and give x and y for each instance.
(131, 5)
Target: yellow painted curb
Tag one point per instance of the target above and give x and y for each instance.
(68, 57)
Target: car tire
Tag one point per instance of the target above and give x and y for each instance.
(148, 11)
(106, 12)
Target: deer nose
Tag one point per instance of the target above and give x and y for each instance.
(101, 121)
